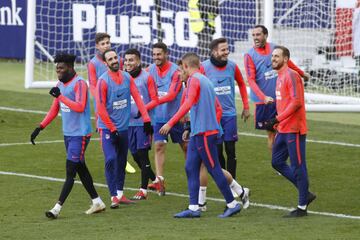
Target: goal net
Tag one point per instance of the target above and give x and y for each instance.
(309, 28)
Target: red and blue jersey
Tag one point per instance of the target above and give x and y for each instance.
(169, 88)
(113, 101)
(259, 72)
(74, 105)
(265, 76)
(205, 110)
(96, 68)
(223, 80)
(290, 103)
(148, 91)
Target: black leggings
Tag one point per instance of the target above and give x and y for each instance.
(141, 157)
(231, 157)
(71, 169)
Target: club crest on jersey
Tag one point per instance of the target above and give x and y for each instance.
(107, 136)
(278, 95)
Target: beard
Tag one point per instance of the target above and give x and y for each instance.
(277, 66)
(66, 77)
(114, 67)
(135, 72)
(217, 62)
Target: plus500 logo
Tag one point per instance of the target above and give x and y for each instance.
(137, 29)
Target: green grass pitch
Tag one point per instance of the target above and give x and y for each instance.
(333, 171)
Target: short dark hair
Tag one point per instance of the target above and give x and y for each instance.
(263, 29)
(133, 51)
(106, 51)
(66, 58)
(285, 51)
(101, 36)
(192, 59)
(215, 43)
(161, 45)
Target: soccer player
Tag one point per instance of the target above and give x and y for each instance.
(139, 142)
(235, 187)
(290, 122)
(262, 79)
(113, 103)
(72, 99)
(223, 73)
(96, 67)
(204, 131)
(169, 87)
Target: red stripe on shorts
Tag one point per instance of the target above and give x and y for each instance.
(212, 163)
(298, 152)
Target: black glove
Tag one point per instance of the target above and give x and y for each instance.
(55, 92)
(148, 129)
(187, 126)
(34, 134)
(115, 138)
(269, 124)
(138, 115)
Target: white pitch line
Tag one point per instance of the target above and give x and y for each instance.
(269, 206)
(26, 111)
(38, 142)
(240, 133)
(29, 143)
(22, 110)
(307, 140)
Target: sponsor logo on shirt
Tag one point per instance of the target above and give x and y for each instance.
(119, 104)
(64, 108)
(221, 80)
(224, 90)
(270, 74)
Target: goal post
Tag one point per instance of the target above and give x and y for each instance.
(319, 36)
(311, 29)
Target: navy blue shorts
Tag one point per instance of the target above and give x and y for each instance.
(138, 139)
(229, 127)
(175, 133)
(75, 147)
(264, 112)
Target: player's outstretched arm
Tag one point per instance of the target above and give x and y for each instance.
(174, 89)
(100, 96)
(250, 70)
(153, 94)
(52, 113)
